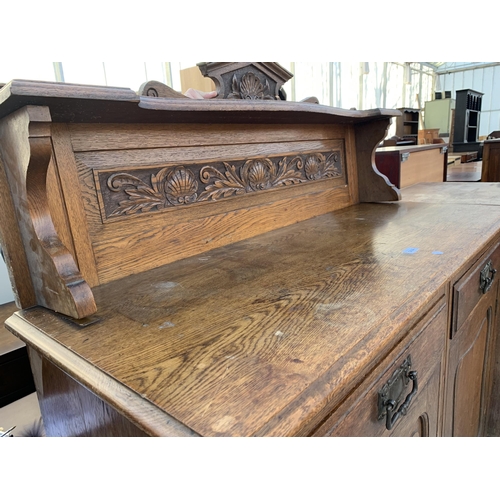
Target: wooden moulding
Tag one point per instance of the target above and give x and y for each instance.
(56, 282)
(148, 417)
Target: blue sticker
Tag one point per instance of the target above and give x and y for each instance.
(437, 252)
(410, 250)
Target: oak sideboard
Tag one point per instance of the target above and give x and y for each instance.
(239, 268)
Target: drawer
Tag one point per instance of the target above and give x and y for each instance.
(359, 415)
(475, 283)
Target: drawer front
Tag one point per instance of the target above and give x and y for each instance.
(476, 283)
(360, 414)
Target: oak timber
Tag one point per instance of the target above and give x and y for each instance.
(256, 339)
(252, 272)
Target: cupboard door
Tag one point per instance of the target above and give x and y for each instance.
(469, 371)
(424, 347)
(471, 346)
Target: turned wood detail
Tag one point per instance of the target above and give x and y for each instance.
(27, 154)
(144, 190)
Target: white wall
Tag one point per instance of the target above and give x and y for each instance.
(6, 294)
(486, 80)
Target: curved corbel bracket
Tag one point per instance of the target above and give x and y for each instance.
(159, 89)
(372, 185)
(56, 279)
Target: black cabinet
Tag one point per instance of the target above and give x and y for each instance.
(466, 125)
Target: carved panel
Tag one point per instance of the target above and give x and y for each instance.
(143, 190)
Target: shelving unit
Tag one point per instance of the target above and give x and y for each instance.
(467, 119)
(407, 123)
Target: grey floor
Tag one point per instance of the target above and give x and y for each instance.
(24, 414)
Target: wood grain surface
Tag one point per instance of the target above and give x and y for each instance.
(458, 193)
(267, 336)
(426, 346)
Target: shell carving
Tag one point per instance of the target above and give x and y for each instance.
(250, 87)
(167, 187)
(181, 187)
(258, 175)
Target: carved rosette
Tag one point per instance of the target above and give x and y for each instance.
(127, 193)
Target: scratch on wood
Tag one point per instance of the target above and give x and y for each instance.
(167, 324)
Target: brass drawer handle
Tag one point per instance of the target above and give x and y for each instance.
(392, 393)
(487, 276)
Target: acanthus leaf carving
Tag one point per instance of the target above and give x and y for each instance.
(141, 197)
(131, 193)
(225, 185)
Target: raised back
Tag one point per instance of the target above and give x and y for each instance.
(136, 182)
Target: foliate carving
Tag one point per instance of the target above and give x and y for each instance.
(146, 190)
(167, 187)
(250, 87)
(317, 167)
(255, 175)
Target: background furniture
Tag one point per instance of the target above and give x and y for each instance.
(439, 114)
(429, 136)
(192, 78)
(220, 268)
(407, 165)
(491, 161)
(467, 118)
(407, 124)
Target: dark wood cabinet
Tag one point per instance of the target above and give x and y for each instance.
(467, 119)
(408, 123)
(472, 340)
(490, 171)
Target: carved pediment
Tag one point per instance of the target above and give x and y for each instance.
(244, 80)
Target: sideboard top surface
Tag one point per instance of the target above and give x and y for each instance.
(261, 337)
(456, 193)
(411, 148)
